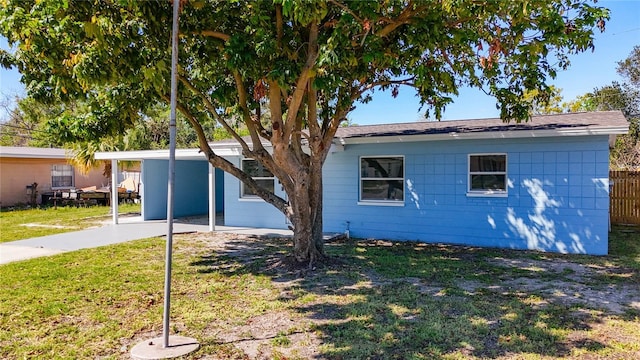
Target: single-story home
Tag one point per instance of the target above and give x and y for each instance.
(540, 185)
(21, 167)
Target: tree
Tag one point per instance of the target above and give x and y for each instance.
(626, 98)
(629, 68)
(25, 125)
(616, 96)
(308, 63)
(32, 123)
(549, 102)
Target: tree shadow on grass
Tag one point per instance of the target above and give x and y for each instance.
(382, 300)
(248, 255)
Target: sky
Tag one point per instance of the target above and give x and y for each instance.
(588, 70)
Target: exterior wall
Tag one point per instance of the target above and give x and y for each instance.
(93, 178)
(17, 173)
(557, 195)
(249, 212)
(190, 193)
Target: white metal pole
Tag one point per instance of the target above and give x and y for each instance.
(141, 190)
(212, 198)
(114, 191)
(172, 173)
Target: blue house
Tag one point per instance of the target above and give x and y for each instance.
(540, 185)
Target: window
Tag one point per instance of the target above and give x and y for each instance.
(382, 179)
(488, 174)
(61, 176)
(260, 174)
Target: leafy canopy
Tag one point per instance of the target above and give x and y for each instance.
(115, 53)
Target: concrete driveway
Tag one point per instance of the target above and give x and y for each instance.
(108, 235)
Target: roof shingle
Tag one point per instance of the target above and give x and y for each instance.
(601, 119)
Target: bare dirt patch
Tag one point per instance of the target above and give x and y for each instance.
(572, 283)
(272, 334)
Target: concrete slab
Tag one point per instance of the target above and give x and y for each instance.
(129, 229)
(254, 231)
(152, 349)
(9, 253)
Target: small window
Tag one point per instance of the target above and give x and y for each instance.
(61, 176)
(382, 179)
(488, 174)
(260, 174)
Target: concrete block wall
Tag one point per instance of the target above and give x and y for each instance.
(557, 198)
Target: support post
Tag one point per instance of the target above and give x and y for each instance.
(141, 191)
(114, 191)
(212, 198)
(172, 346)
(172, 177)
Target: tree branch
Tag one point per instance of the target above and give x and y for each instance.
(246, 114)
(211, 108)
(214, 34)
(261, 130)
(346, 9)
(407, 81)
(303, 80)
(227, 166)
(296, 141)
(275, 105)
(404, 18)
(258, 150)
(279, 26)
(312, 112)
(315, 132)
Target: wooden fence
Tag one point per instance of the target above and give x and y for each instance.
(625, 197)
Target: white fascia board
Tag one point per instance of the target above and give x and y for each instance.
(181, 154)
(518, 134)
(32, 153)
(145, 155)
(35, 156)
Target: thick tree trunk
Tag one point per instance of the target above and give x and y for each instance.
(307, 243)
(306, 203)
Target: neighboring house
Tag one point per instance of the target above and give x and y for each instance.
(539, 185)
(20, 167)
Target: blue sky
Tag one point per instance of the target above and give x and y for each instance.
(587, 71)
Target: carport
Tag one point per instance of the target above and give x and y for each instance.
(199, 187)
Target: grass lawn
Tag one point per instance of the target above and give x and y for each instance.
(376, 300)
(24, 224)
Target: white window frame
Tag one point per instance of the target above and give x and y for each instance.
(487, 192)
(361, 179)
(67, 167)
(242, 185)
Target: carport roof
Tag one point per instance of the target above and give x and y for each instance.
(226, 149)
